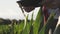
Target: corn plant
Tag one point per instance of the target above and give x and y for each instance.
(25, 27)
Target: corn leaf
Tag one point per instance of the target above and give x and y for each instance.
(37, 22)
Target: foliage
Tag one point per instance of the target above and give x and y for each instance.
(26, 27)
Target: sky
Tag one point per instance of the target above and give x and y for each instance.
(9, 9)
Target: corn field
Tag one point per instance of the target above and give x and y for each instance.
(25, 26)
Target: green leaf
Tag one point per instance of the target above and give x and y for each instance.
(26, 27)
(37, 22)
(45, 28)
(20, 27)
